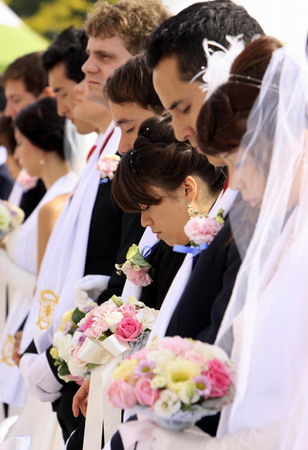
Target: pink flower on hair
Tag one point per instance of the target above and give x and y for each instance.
(128, 329)
(145, 394)
(121, 394)
(202, 229)
(219, 375)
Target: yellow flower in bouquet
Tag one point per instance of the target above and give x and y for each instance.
(125, 369)
(179, 373)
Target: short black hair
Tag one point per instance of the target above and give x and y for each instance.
(182, 35)
(68, 47)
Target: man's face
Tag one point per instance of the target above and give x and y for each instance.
(17, 97)
(104, 56)
(181, 98)
(64, 90)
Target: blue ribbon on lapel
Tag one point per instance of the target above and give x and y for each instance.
(193, 250)
(147, 249)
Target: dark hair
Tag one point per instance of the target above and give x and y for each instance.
(158, 159)
(7, 137)
(40, 123)
(68, 47)
(132, 82)
(222, 120)
(182, 35)
(28, 68)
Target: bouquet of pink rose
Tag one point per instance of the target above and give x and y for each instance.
(10, 217)
(66, 339)
(175, 381)
(105, 332)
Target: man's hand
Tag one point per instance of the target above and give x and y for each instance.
(80, 400)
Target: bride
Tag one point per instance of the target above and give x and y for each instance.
(39, 134)
(260, 129)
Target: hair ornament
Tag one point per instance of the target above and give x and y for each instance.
(131, 162)
(219, 62)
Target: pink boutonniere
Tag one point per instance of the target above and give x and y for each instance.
(107, 167)
(136, 268)
(203, 229)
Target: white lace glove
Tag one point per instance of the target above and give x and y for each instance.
(38, 377)
(89, 288)
(15, 275)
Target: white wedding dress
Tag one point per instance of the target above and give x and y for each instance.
(18, 270)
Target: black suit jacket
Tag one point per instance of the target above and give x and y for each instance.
(31, 198)
(6, 182)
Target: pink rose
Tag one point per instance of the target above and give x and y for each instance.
(220, 377)
(202, 229)
(145, 394)
(121, 394)
(128, 310)
(26, 180)
(140, 277)
(107, 167)
(128, 329)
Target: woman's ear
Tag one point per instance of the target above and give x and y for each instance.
(190, 188)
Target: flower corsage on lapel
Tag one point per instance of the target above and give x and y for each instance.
(136, 268)
(107, 167)
(201, 230)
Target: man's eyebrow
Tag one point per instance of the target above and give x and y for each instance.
(123, 121)
(57, 90)
(174, 105)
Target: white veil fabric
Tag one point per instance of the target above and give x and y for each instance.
(266, 322)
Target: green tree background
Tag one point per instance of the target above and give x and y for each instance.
(48, 17)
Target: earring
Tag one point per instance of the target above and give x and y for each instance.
(42, 161)
(190, 210)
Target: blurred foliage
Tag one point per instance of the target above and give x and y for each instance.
(48, 17)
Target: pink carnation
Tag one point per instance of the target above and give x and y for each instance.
(121, 394)
(107, 167)
(202, 229)
(26, 180)
(176, 344)
(140, 277)
(220, 377)
(128, 329)
(145, 394)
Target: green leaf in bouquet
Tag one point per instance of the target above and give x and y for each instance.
(77, 315)
(63, 369)
(91, 366)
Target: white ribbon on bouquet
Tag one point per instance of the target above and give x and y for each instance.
(107, 354)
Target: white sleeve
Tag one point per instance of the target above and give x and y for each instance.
(38, 377)
(15, 276)
(256, 439)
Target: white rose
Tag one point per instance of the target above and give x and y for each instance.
(77, 367)
(209, 351)
(64, 344)
(113, 319)
(167, 404)
(5, 218)
(147, 317)
(158, 382)
(161, 358)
